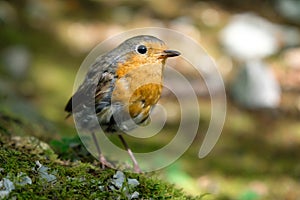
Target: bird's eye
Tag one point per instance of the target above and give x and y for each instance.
(142, 49)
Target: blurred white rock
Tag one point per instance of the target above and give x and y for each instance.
(248, 36)
(256, 87)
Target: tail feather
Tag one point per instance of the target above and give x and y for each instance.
(68, 108)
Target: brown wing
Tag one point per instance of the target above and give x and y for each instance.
(97, 85)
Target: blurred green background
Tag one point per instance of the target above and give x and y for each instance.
(42, 44)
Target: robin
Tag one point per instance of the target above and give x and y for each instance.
(122, 86)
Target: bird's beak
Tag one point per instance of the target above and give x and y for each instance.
(170, 53)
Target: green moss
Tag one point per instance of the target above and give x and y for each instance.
(73, 180)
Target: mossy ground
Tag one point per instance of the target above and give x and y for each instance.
(74, 180)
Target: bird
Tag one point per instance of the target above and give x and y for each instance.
(122, 86)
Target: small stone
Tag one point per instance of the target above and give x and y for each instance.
(6, 186)
(43, 172)
(23, 179)
(101, 188)
(134, 195)
(118, 179)
(132, 182)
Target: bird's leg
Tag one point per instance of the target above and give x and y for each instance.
(135, 163)
(102, 159)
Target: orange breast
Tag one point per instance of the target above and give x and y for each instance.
(138, 88)
(143, 99)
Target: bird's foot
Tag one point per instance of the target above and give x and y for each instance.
(105, 163)
(137, 169)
